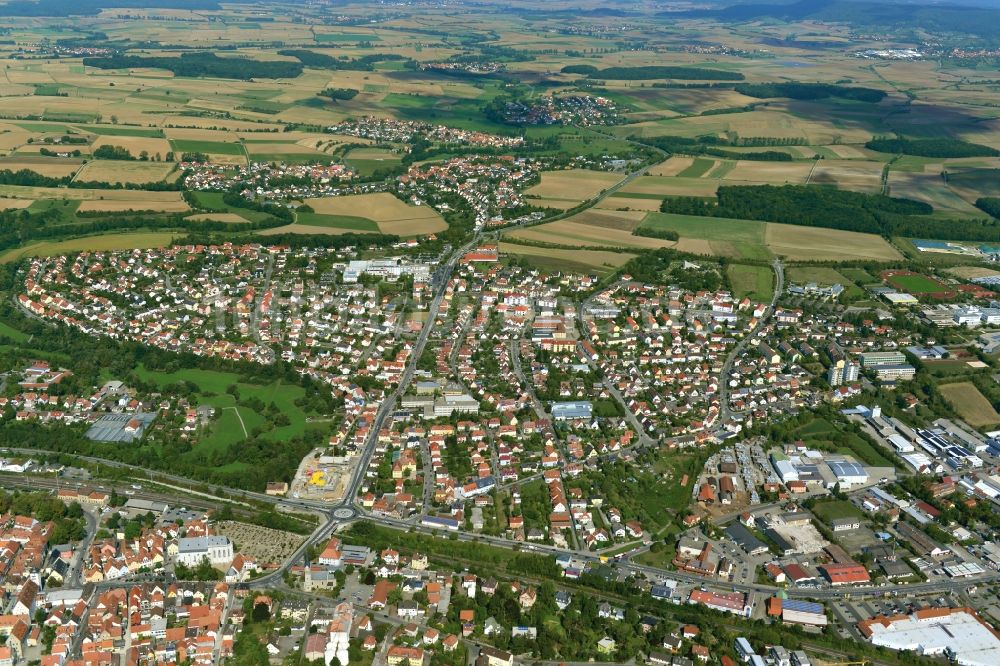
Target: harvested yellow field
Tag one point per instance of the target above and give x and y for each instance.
(136, 145)
(970, 404)
(703, 246)
(561, 204)
(629, 203)
(86, 194)
(777, 173)
(594, 258)
(53, 167)
(627, 220)
(848, 152)
(816, 244)
(109, 171)
(279, 147)
(216, 217)
(390, 214)
(11, 204)
(122, 206)
(857, 175)
(972, 272)
(576, 184)
(592, 229)
(691, 187)
(671, 166)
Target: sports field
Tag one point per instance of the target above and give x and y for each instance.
(970, 404)
(390, 214)
(914, 283)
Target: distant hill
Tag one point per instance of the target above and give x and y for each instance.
(91, 7)
(972, 17)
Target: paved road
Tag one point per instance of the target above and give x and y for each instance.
(725, 413)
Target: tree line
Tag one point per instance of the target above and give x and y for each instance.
(710, 145)
(809, 91)
(203, 64)
(322, 61)
(989, 205)
(931, 147)
(821, 206)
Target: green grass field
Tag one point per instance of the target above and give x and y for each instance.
(827, 511)
(859, 275)
(8, 331)
(756, 282)
(917, 284)
(212, 387)
(821, 433)
(824, 277)
(337, 221)
(727, 237)
(213, 201)
(209, 147)
(698, 168)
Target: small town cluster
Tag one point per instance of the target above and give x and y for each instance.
(486, 404)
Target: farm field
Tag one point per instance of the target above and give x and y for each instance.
(972, 272)
(721, 237)
(217, 217)
(930, 188)
(103, 171)
(9, 204)
(817, 244)
(348, 222)
(369, 160)
(120, 241)
(672, 166)
(574, 184)
(671, 186)
(970, 404)
(625, 203)
(56, 167)
(750, 239)
(598, 261)
(856, 175)
(592, 229)
(773, 173)
(390, 214)
(154, 148)
(176, 206)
